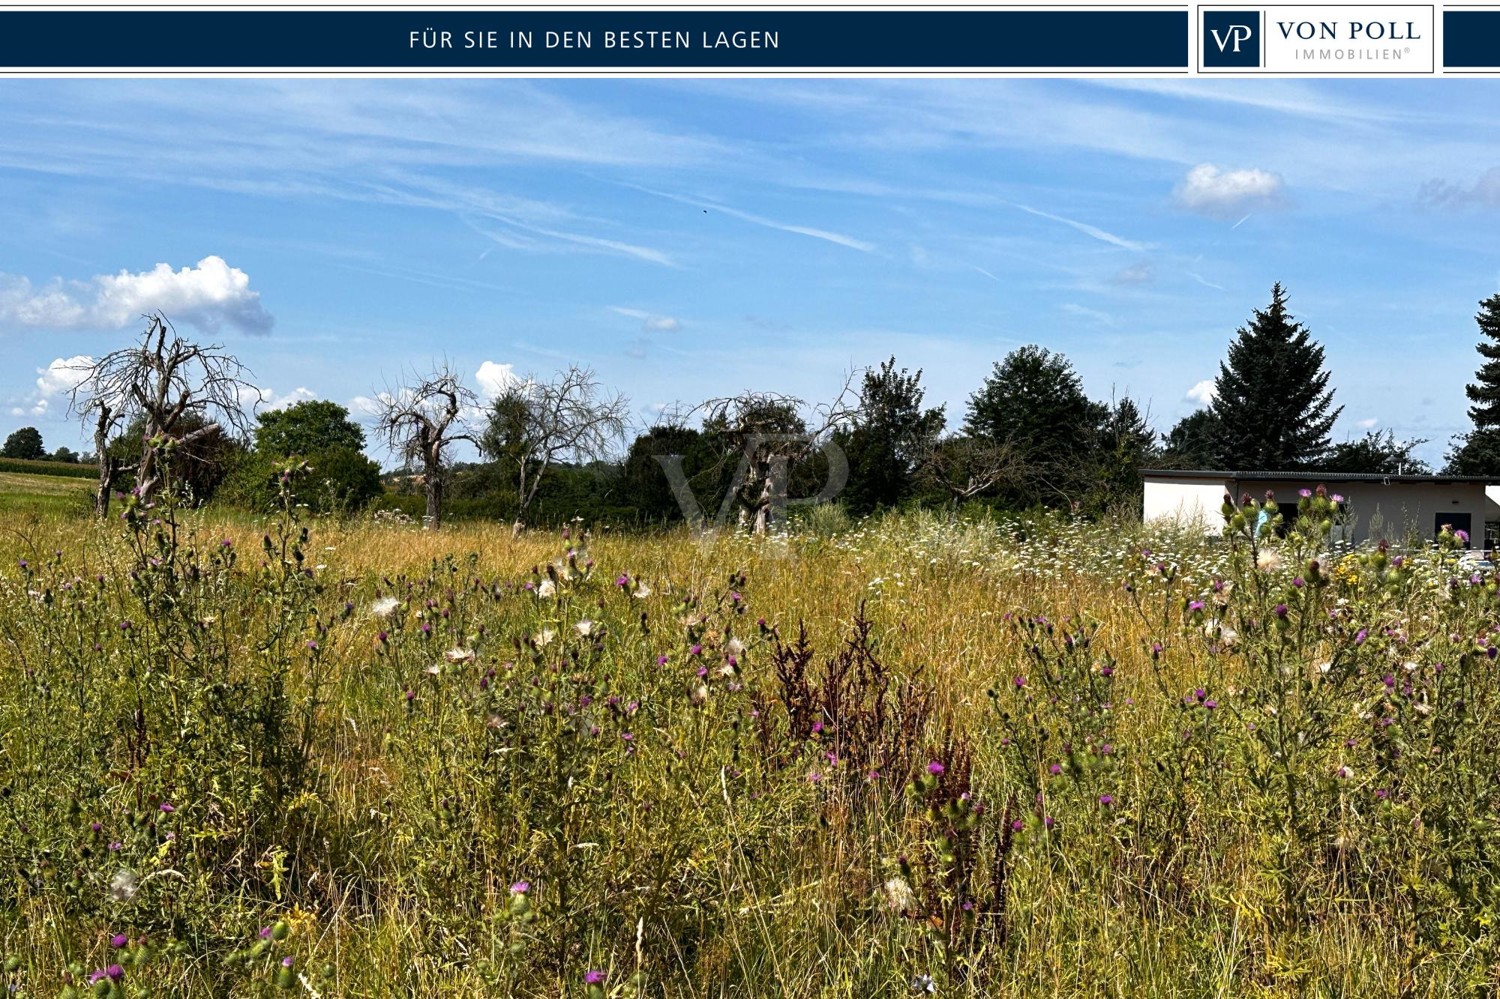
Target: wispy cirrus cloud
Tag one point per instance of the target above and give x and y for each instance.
(651, 322)
(1091, 231)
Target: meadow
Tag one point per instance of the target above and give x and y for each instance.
(913, 754)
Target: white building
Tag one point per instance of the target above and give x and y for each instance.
(1393, 507)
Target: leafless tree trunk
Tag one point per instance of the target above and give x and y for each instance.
(535, 425)
(168, 384)
(422, 421)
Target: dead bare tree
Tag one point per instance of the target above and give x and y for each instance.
(771, 437)
(422, 420)
(534, 425)
(178, 392)
(965, 466)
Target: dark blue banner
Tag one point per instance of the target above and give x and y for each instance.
(1471, 39)
(566, 40)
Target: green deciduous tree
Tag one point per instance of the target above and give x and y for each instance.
(304, 428)
(888, 437)
(1376, 453)
(1272, 400)
(1193, 442)
(24, 443)
(1033, 403)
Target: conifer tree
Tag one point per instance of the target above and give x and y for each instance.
(1478, 452)
(1272, 406)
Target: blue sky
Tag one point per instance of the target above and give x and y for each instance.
(695, 238)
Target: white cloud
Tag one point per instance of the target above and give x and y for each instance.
(494, 379)
(209, 295)
(1485, 193)
(651, 322)
(1367, 424)
(1222, 194)
(63, 374)
(1202, 393)
(270, 399)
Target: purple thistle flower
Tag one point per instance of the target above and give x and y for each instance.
(168, 807)
(593, 977)
(265, 932)
(1361, 635)
(1299, 582)
(1196, 605)
(696, 650)
(1020, 682)
(118, 940)
(935, 768)
(1281, 611)
(1106, 800)
(1049, 822)
(520, 887)
(287, 961)
(115, 972)
(1305, 493)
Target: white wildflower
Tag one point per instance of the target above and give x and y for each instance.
(385, 606)
(545, 637)
(899, 896)
(585, 628)
(734, 647)
(457, 655)
(642, 591)
(547, 589)
(1268, 561)
(124, 885)
(433, 670)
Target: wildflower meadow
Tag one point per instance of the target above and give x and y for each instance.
(912, 754)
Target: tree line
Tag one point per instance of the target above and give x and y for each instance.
(167, 413)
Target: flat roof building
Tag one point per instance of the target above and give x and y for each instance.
(1395, 508)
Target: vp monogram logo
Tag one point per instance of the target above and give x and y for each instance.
(1236, 35)
(1231, 38)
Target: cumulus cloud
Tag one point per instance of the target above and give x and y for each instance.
(494, 379)
(210, 295)
(651, 322)
(1367, 424)
(263, 399)
(63, 374)
(1485, 192)
(1221, 194)
(1203, 393)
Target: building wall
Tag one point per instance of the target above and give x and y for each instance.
(1376, 510)
(1184, 500)
(1400, 506)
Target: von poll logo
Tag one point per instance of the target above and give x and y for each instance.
(1344, 38)
(1231, 39)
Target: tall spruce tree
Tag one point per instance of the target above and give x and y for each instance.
(1273, 407)
(1478, 452)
